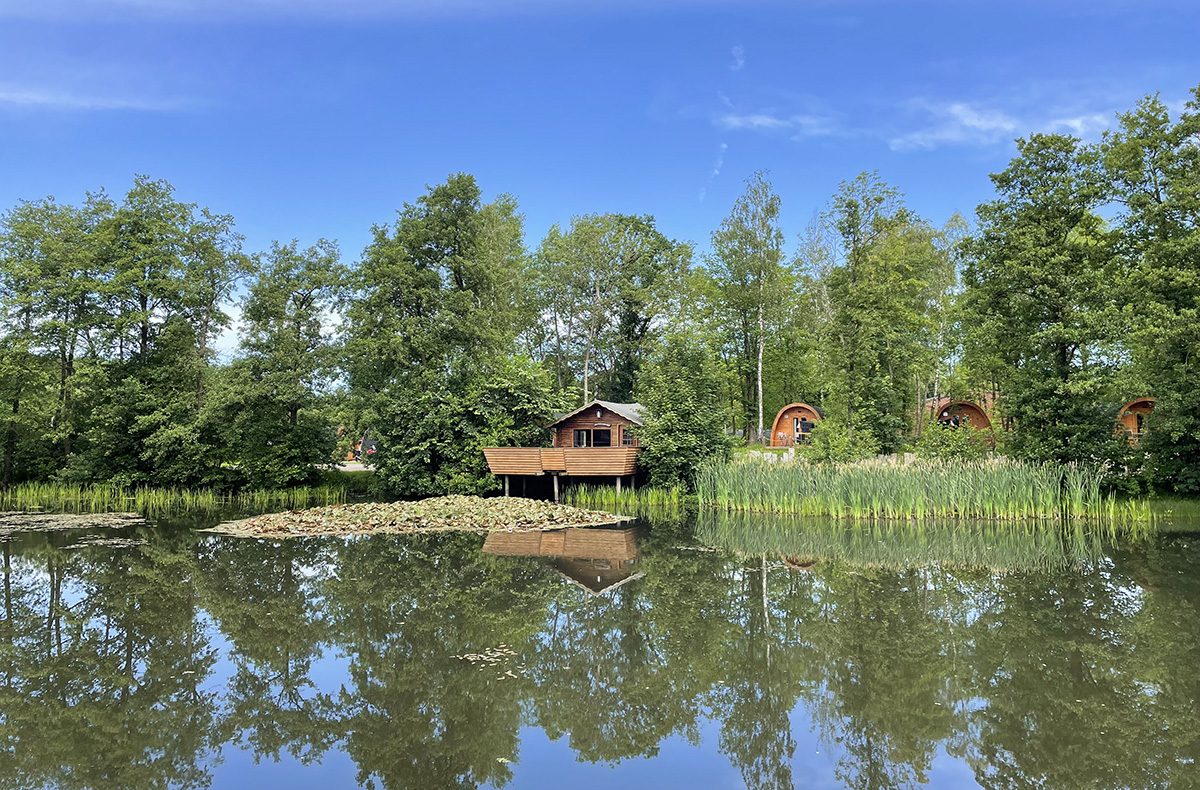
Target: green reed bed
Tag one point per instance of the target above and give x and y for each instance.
(985, 490)
(101, 498)
(991, 546)
(628, 498)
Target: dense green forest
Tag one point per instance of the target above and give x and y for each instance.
(1075, 289)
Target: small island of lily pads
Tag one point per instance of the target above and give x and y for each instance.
(439, 514)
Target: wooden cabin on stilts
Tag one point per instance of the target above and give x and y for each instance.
(596, 441)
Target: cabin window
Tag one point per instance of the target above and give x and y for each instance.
(581, 439)
(602, 437)
(627, 437)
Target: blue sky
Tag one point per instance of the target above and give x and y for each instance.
(308, 118)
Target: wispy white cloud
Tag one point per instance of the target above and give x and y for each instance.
(985, 123)
(958, 123)
(803, 124)
(14, 96)
(717, 165)
(1086, 126)
(739, 59)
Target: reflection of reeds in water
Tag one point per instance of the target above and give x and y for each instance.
(1019, 546)
(984, 490)
(100, 499)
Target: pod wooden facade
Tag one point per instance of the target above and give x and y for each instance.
(1131, 419)
(793, 424)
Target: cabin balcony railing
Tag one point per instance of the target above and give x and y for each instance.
(578, 461)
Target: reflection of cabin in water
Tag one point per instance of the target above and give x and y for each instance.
(598, 440)
(1131, 419)
(598, 560)
(794, 424)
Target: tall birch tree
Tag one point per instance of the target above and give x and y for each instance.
(747, 265)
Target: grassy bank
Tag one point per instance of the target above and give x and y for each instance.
(100, 498)
(985, 490)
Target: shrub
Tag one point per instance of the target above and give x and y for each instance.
(829, 443)
(942, 442)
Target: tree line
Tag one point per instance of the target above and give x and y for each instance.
(1076, 289)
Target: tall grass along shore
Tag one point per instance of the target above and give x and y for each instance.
(984, 490)
(628, 498)
(100, 498)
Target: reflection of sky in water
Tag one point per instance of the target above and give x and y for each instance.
(833, 675)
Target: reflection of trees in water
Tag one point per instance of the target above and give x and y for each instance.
(760, 689)
(880, 675)
(104, 658)
(606, 678)
(1036, 679)
(1091, 682)
(416, 716)
(266, 599)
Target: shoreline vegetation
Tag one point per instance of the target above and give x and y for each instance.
(987, 490)
(437, 514)
(55, 497)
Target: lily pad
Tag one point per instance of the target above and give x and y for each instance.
(440, 514)
(58, 522)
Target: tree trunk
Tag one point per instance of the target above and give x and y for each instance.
(203, 360)
(144, 327)
(10, 443)
(64, 398)
(920, 411)
(587, 363)
(762, 343)
(558, 354)
(937, 390)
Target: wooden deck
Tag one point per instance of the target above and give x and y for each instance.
(568, 461)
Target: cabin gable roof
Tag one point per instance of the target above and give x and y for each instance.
(630, 411)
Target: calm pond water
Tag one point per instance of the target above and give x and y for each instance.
(671, 654)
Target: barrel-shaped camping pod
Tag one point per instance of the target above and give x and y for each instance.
(951, 413)
(794, 424)
(961, 413)
(1131, 419)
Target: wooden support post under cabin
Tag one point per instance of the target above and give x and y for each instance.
(555, 478)
(506, 485)
(618, 484)
(523, 479)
